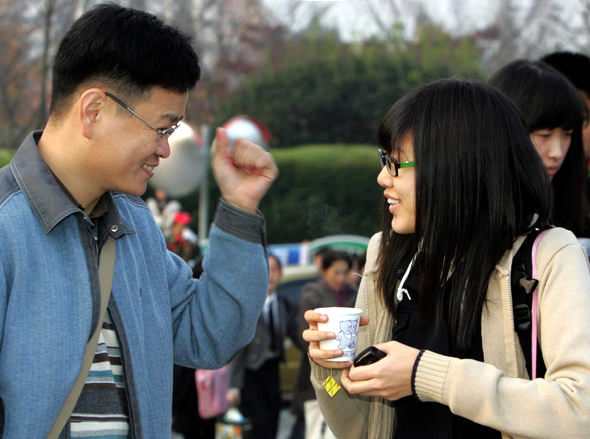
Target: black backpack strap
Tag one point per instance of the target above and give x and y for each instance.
(522, 285)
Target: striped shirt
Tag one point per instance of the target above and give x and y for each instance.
(101, 410)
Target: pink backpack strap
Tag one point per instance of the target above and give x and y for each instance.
(534, 329)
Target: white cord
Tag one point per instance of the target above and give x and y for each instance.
(400, 289)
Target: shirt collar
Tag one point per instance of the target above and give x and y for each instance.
(101, 208)
(45, 194)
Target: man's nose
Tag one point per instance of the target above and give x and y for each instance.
(163, 149)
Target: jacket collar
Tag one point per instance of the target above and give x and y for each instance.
(44, 194)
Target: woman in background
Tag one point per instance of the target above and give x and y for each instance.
(554, 113)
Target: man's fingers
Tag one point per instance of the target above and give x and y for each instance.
(221, 142)
(252, 158)
(243, 173)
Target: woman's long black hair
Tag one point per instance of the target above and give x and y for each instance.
(548, 100)
(479, 182)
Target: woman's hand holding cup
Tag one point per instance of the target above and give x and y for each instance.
(313, 335)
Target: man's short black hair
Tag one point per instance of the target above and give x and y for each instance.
(126, 49)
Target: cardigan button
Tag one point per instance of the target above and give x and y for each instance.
(115, 228)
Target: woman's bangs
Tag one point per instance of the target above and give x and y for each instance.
(393, 130)
(562, 107)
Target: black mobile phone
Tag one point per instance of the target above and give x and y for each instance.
(369, 356)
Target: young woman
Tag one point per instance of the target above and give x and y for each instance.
(554, 113)
(463, 185)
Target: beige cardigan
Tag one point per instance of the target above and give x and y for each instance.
(496, 393)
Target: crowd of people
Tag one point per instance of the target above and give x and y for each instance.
(103, 293)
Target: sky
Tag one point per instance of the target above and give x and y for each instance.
(459, 17)
(354, 21)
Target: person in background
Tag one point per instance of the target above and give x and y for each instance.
(332, 289)
(319, 255)
(255, 381)
(163, 210)
(298, 428)
(436, 292)
(576, 67)
(185, 400)
(120, 84)
(554, 113)
(357, 268)
(183, 241)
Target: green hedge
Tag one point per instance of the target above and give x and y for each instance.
(323, 190)
(5, 156)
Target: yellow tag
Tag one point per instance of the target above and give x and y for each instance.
(331, 386)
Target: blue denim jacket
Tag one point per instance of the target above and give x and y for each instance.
(49, 290)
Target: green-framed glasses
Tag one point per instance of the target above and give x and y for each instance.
(392, 164)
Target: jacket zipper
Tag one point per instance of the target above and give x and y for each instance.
(515, 348)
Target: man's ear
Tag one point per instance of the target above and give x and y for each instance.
(91, 105)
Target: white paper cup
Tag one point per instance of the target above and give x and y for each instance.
(344, 322)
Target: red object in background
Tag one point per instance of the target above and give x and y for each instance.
(182, 218)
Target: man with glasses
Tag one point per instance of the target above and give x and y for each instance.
(121, 80)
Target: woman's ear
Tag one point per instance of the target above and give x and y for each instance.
(91, 104)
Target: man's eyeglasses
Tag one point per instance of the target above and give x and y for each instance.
(161, 133)
(392, 164)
